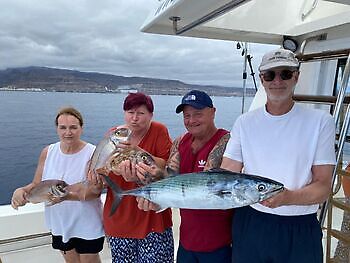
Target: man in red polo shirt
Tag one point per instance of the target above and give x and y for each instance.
(205, 235)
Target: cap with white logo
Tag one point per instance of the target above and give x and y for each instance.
(197, 99)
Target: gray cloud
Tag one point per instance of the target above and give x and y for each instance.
(104, 36)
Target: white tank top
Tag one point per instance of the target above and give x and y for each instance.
(82, 219)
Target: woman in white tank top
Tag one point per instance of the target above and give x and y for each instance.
(76, 226)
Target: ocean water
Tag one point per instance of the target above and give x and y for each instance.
(27, 125)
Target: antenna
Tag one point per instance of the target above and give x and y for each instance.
(247, 58)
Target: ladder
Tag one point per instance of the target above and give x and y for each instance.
(337, 240)
(341, 114)
(342, 250)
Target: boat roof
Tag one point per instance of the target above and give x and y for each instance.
(255, 21)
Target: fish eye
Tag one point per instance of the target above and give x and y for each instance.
(144, 157)
(261, 187)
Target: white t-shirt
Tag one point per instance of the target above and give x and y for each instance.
(82, 219)
(283, 148)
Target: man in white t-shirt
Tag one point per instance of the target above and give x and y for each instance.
(290, 144)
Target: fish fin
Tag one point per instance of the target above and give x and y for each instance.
(116, 193)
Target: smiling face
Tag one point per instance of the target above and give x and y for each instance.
(198, 122)
(68, 129)
(280, 88)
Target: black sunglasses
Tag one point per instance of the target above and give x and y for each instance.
(270, 75)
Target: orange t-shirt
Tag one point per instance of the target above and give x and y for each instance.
(129, 221)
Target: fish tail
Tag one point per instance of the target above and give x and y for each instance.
(117, 193)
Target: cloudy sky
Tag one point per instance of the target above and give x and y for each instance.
(104, 36)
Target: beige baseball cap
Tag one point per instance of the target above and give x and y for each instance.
(278, 58)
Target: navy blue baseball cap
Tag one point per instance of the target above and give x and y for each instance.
(197, 99)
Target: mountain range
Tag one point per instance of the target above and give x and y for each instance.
(63, 80)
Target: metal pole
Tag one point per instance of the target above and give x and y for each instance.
(341, 139)
(342, 90)
(245, 50)
(343, 132)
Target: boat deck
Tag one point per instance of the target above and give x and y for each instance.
(38, 249)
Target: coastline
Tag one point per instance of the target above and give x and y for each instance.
(160, 92)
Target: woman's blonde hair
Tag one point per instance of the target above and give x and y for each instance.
(70, 111)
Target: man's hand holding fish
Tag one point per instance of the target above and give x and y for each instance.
(144, 171)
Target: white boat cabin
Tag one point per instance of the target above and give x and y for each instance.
(318, 31)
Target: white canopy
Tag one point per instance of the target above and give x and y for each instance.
(257, 21)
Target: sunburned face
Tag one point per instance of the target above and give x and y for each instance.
(138, 118)
(279, 83)
(68, 129)
(198, 122)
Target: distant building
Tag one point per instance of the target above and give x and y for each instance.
(128, 90)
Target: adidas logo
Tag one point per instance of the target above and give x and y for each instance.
(201, 163)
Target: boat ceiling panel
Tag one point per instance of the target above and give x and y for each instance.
(345, 2)
(259, 21)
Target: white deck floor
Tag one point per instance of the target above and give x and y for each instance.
(44, 253)
(40, 250)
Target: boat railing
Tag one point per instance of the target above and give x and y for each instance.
(25, 242)
(317, 99)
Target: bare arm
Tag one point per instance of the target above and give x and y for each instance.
(317, 191)
(231, 165)
(19, 195)
(215, 156)
(173, 163)
(84, 191)
(174, 158)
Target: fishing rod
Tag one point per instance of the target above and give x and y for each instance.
(247, 59)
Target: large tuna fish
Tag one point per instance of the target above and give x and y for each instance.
(214, 189)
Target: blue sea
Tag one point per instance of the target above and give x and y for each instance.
(27, 125)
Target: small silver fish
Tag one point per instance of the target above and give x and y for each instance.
(46, 189)
(107, 146)
(213, 189)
